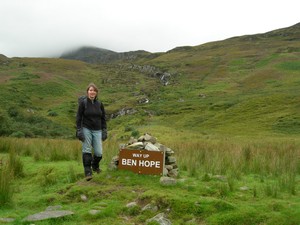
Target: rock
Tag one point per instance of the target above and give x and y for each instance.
(169, 152)
(48, 215)
(170, 159)
(123, 112)
(143, 100)
(132, 140)
(131, 204)
(7, 220)
(160, 218)
(148, 138)
(244, 188)
(161, 147)
(94, 211)
(137, 145)
(167, 181)
(149, 143)
(150, 207)
(173, 173)
(169, 167)
(165, 172)
(151, 147)
(83, 198)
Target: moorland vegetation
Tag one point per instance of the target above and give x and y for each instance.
(229, 110)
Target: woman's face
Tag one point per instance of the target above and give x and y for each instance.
(92, 93)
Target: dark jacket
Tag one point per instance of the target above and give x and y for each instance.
(91, 116)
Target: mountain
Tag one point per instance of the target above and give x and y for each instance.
(241, 86)
(100, 55)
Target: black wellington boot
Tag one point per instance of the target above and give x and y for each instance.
(95, 164)
(87, 163)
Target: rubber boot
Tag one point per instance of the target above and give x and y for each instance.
(95, 164)
(87, 163)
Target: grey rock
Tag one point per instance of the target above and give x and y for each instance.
(150, 207)
(7, 220)
(94, 211)
(151, 147)
(132, 140)
(165, 172)
(169, 167)
(171, 159)
(244, 188)
(48, 215)
(148, 138)
(167, 181)
(83, 198)
(137, 145)
(131, 204)
(169, 152)
(173, 173)
(161, 219)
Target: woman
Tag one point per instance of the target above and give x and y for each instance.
(91, 130)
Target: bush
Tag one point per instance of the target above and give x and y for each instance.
(13, 112)
(18, 134)
(135, 133)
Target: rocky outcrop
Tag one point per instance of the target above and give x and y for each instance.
(149, 143)
(123, 112)
(153, 71)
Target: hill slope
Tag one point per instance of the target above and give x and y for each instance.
(244, 85)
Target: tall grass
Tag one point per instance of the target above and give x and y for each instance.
(6, 191)
(42, 149)
(268, 158)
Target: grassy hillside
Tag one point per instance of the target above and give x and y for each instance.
(230, 111)
(240, 86)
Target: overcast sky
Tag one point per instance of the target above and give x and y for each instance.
(46, 28)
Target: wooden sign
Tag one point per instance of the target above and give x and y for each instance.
(142, 161)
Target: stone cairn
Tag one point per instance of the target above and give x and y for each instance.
(149, 143)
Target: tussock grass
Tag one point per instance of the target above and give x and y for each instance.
(6, 190)
(43, 149)
(277, 159)
(208, 189)
(220, 157)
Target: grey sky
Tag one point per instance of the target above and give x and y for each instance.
(46, 28)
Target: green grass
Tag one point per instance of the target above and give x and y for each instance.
(208, 190)
(252, 89)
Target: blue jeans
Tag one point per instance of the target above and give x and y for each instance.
(93, 139)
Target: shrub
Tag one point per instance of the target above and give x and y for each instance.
(18, 134)
(135, 133)
(13, 112)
